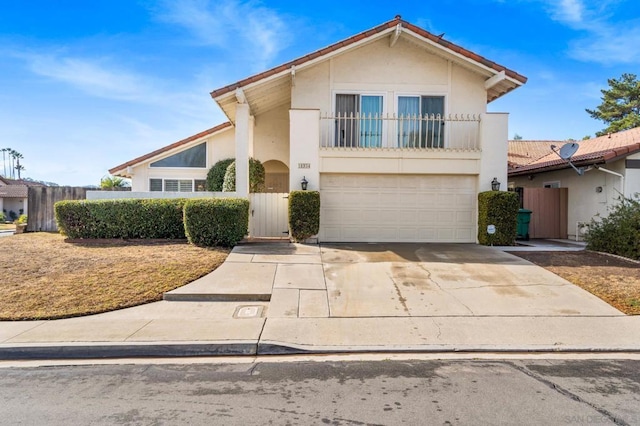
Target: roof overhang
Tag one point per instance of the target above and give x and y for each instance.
(126, 169)
(272, 88)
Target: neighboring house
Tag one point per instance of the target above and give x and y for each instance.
(14, 196)
(611, 166)
(390, 125)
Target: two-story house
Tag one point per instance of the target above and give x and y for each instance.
(390, 125)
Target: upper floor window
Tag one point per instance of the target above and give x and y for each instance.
(358, 120)
(421, 121)
(193, 157)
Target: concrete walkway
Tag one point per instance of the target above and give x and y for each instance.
(273, 298)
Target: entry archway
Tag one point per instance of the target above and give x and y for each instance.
(276, 176)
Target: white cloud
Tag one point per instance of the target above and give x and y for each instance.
(570, 11)
(609, 45)
(96, 77)
(606, 34)
(244, 29)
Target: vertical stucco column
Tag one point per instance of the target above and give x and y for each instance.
(304, 148)
(244, 144)
(494, 136)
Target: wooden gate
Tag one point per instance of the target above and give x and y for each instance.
(550, 211)
(269, 215)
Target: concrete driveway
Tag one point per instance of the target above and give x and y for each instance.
(390, 280)
(446, 280)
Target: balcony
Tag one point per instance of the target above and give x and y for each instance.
(391, 132)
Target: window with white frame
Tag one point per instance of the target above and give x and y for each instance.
(358, 120)
(420, 121)
(177, 185)
(552, 184)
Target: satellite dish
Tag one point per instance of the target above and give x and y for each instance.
(566, 152)
(568, 149)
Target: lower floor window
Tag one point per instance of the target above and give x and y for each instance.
(177, 185)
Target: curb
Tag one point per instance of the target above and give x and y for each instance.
(253, 348)
(127, 350)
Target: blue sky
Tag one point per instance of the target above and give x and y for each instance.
(88, 85)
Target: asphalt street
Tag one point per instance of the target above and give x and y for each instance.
(389, 392)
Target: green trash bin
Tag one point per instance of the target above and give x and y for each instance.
(524, 217)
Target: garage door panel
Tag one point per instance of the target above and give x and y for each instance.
(390, 208)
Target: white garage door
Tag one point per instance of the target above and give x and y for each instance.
(397, 208)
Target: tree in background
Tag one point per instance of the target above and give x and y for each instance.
(620, 107)
(517, 137)
(111, 183)
(11, 163)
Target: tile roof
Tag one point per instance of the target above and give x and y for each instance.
(602, 149)
(354, 39)
(523, 152)
(14, 191)
(123, 167)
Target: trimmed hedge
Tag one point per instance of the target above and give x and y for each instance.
(215, 176)
(619, 232)
(304, 214)
(216, 221)
(499, 208)
(256, 177)
(126, 218)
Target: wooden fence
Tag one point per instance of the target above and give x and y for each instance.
(40, 205)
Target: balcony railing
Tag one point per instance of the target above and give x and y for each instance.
(454, 132)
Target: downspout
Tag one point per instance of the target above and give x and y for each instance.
(602, 169)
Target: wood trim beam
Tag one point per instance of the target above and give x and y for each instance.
(496, 79)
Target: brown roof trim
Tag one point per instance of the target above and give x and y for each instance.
(360, 36)
(599, 157)
(170, 147)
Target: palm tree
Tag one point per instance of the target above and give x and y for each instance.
(19, 167)
(15, 156)
(4, 161)
(113, 182)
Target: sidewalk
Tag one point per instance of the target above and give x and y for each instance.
(274, 299)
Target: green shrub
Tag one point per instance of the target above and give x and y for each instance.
(125, 218)
(304, 214)
(618, 233)
(499, 208)
(216, 221)
(256, 177)
(22, 219)
(2, 217)
(215, 176)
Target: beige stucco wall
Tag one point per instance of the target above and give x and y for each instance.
(271, 142)
(271, 135)
(632, 178)
(584, 201)
(219, 146)
(377, 68)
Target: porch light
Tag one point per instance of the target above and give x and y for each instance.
(495, 185)
(304, 183)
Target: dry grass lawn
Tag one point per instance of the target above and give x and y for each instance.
(44, 277)
(614, 280)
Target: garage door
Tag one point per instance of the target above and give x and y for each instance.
(397, 208)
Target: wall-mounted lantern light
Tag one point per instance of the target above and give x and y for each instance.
(304, 183)
(495, 185)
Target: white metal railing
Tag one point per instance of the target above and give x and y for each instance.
(353, 130)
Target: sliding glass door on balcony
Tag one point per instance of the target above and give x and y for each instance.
(421, 121)
(358, 121)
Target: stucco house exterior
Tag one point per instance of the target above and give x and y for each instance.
(390, 125)
(611, 165)
(14, 196)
